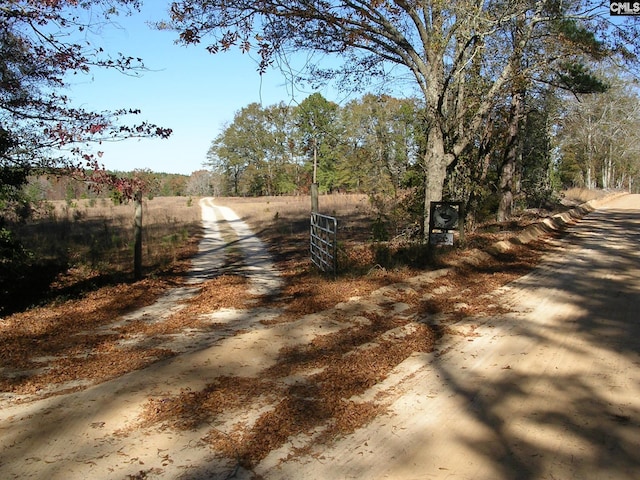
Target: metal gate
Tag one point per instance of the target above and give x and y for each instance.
(324, 232)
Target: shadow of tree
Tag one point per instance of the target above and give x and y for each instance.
(565, 405)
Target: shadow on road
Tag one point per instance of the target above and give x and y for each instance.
(562, 401)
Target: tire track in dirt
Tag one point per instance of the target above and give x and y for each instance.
(210, 262)
(88, 434)
(257, 263)
(97, 432)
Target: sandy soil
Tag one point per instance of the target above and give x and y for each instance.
(549, 389)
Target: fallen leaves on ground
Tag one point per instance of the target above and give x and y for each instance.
(59, 344)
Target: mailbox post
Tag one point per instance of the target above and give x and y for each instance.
(444, 219)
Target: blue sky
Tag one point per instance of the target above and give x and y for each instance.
(187, 89)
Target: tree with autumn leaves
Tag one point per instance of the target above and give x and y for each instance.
(464, 58)
(43, 45)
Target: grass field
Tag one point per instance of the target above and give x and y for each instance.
(85, 244)
(82, 245)
(99, 234)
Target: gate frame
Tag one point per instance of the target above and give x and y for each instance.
(324, 242)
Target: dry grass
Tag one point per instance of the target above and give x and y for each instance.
(582, 195)
(261, 209)
(100, 234)
(284, 216)
(84, 245)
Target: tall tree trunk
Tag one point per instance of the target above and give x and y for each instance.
(436, 162)
(508, 167)
(516, 112)
(608, 169)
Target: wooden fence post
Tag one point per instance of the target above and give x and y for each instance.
(314, 197)
(137, 250)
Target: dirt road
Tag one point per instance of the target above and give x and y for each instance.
(548, 390)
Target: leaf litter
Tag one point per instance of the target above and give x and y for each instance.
(312, 389)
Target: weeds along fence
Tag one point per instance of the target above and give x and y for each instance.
(99, 234)
(323, 246)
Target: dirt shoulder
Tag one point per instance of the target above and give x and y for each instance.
(446, 374)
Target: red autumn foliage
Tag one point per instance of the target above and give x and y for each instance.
(41, 129)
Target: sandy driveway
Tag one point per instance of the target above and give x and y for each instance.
(550, 390)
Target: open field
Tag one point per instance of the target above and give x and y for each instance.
(84, 245)
(99, 234)
(266, 209)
